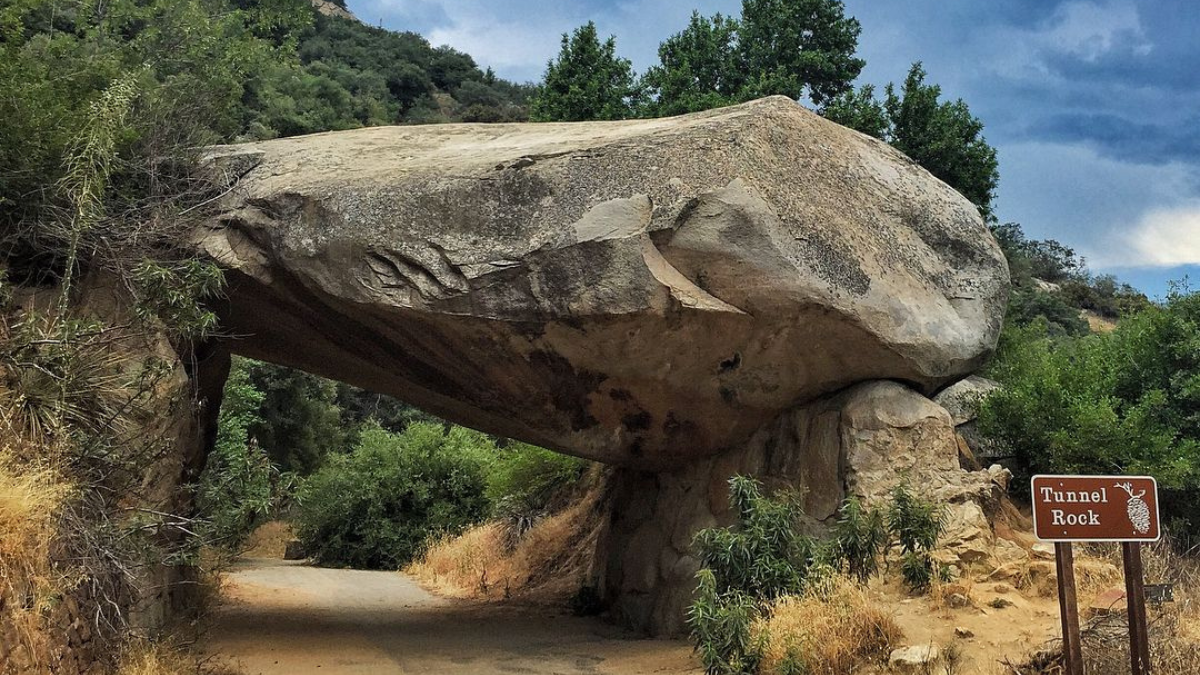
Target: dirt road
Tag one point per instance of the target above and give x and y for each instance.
(287, 619)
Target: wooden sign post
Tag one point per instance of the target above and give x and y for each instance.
(1098, 508)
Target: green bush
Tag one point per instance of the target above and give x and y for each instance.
(376, 507)
(743, 567)
(859, 537)
(524, 478)
(1120, 402)
(721, 624)
(916, 524)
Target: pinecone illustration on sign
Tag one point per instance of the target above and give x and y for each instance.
(1139, 512)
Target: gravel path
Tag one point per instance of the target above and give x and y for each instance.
(288, 619)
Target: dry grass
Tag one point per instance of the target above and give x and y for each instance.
(269, 540)
(31, 499)
(1174, 627)
(149, 657)
(828, 631)
(548, 563)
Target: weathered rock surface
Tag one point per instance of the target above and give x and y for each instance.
(644, 292)
(861, 442)
(962, 400)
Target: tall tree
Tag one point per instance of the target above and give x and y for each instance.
(699, 68)
(799, 47)
(861, 111)
(944, 137)
(588, 81)
(299, 422)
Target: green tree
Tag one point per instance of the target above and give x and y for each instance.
(944, 137)
(237, 487)
(699, 68)
(799, 47)
(588, 81)
(377, 507)
(860, 110)
(301, 423)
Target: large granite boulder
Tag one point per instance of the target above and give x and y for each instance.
(644, 292)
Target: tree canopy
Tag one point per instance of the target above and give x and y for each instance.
(794, 48)
(942, 136)
(587, 81)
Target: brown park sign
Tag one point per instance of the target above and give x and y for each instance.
(1095, 508)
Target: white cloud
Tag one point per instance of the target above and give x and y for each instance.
(1167, 237)
(1116, 213)
(1089, 30)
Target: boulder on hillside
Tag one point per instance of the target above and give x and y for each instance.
(962, 400)
(644, 292)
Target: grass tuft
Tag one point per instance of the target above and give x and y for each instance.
(832, 629)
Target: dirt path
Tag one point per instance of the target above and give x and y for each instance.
(288, 619)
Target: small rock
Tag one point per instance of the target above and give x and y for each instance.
(958, 601)
(915, 658)
(1043, 551)
(1000, 603)
(963, 633)
(1109, 602)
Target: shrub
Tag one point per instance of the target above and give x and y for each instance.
(916, 524)
(239, 486)
(376, 507)
(858, 538)
(721, 624)
(743, 567)
(522, 482)
(1120, 402)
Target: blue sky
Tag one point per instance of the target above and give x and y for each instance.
(1093, 105)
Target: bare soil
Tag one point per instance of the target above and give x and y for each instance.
(285, 618)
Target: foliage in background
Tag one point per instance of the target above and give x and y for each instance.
(349, 75)
(1051, 282)
(587, 81)
(1120, 402)
(299, 422)
(377, 507)
(239, 486)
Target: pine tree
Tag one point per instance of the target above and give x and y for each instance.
(588, 81)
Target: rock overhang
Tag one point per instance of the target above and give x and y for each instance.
(643, 292)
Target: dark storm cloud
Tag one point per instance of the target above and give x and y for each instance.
(1093, 105)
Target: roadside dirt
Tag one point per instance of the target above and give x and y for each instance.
(284, 618)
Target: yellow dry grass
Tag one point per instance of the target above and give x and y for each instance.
(31, 497)
(830, 630)
(149, 657)
(551, 561)
(269, 540)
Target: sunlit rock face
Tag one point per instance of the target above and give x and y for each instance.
(646, 292)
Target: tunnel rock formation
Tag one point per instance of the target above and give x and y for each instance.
(647, 293)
